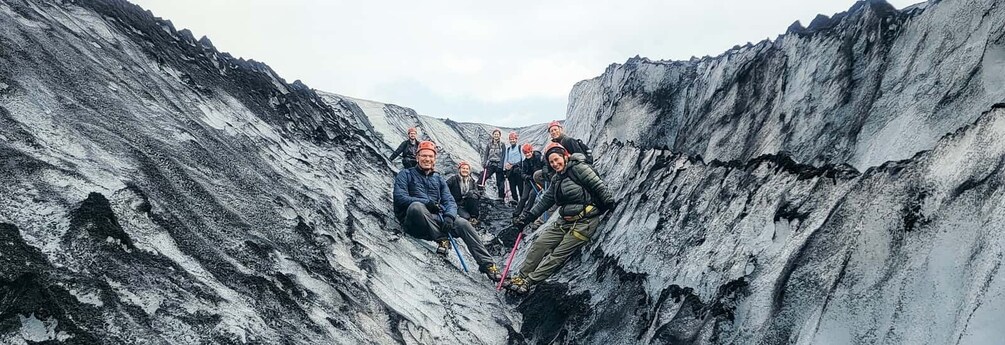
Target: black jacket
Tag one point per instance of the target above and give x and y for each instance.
(454, 184)
(406, 150)
(529, 166)
(573, 189)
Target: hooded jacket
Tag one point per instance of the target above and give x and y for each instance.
(572, 190)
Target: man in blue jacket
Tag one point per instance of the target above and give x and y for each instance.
(426, 210)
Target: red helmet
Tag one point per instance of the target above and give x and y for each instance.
(553, 124)
(554, 147)
(411, 130)
(512, 136)
(527, 148)
(463, 163)
(426, 145)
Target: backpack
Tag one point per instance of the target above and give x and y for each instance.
(586, 151)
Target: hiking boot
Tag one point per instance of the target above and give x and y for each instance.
(492, 271)
(443, 248)
(518, 284)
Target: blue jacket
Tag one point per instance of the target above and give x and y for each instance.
(412, 185)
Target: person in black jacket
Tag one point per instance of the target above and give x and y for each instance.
(425, 209)
(465, 190)
(572, 145)
(582, 197)
(531, 163)
(407, 150)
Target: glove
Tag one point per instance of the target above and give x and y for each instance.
(448, 225)
(433, 207)
(521, 222)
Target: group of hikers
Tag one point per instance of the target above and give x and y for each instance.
(561, 178)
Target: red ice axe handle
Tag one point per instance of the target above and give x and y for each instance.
(509, 261)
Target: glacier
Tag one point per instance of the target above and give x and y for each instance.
(839, 184)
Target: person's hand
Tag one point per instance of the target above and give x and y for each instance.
(520, 222)
(448, 225)
(507, 166)
(433, 207)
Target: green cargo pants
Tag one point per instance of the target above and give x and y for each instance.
(561, 239)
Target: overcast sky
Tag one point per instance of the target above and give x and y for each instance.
(509, 63)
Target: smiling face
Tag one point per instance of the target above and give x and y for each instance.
(427, 159)
(528, 154)
(555, 131)
(496, 135)
(465, 170)
(557, 162)
(411, 135)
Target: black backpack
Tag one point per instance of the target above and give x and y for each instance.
(586, 151)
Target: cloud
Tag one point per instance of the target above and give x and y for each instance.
(511, 113)
(501, 59)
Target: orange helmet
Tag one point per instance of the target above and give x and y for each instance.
(426, 145)
(554, 147)
(411, 130)
(554, 124)
(527, 148)
(512, 136)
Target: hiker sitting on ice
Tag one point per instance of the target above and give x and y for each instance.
(582, 197)
(464, 189)
(532, 163)
(511, 161)
(407, 150)
(493, 156)
(426, 210)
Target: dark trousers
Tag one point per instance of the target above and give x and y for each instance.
(515, 184)
(467, 208)
(494, 169)
(408, 162)
(529, 194)
(422, 224)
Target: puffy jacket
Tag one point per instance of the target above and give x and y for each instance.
(530, 165)
(406, 150)
(412, 184)
(454, 183)
(572, 190)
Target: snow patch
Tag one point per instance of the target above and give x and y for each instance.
(35, 330)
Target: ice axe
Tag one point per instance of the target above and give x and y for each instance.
(509, 261)
(485, 170)
(453, 243)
